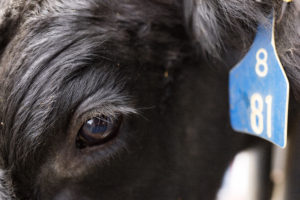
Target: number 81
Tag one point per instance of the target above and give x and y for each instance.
(256, 117)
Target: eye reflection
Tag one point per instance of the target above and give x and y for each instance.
(97, 131)
(97, 125)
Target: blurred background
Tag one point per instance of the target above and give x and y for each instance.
(253, 171)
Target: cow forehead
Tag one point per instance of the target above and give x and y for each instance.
(66, 54)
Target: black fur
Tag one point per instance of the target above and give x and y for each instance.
(163, 65)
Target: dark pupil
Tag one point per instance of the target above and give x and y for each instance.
(96, 131)
(96, 125)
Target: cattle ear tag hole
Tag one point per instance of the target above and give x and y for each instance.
(259, 90)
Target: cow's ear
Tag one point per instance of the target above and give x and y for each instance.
(10, 15)
(287, 38)
(216, 26)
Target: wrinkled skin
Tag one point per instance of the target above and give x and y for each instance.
(67, 61)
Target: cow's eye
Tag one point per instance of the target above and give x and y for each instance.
(97, 131)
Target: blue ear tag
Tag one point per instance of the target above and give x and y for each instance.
(259, 91)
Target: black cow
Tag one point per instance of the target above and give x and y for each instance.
(106, 99)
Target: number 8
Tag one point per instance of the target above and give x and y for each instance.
(261, 62)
